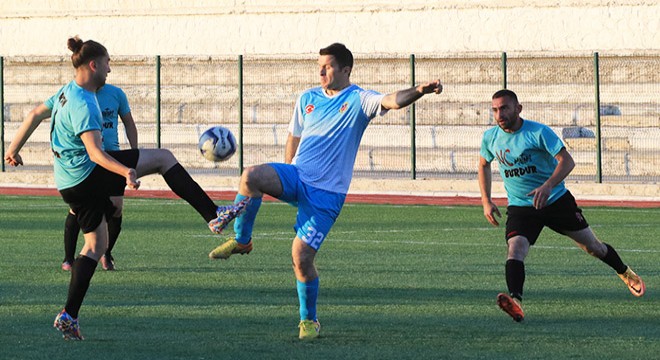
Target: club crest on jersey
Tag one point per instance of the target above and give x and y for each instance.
(343, 108)
(309, 108)
(62, 99)
(501, 157)
(107, 112)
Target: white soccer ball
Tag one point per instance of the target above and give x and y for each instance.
(217, 144)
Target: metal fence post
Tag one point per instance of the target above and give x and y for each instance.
(240, 114)
(503, 70)
(158, 101)
(599, 164)
(411, 111)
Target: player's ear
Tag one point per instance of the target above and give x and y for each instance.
(347, 70)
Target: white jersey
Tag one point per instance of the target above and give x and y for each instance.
(330, 130)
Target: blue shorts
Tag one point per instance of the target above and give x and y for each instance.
(317, 209)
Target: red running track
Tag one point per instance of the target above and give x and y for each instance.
(351, 198)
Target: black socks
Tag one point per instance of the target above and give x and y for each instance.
(515, 278)
(81, 275)
(612, 259)
(178, 179)
(114, 227)
(71, 230)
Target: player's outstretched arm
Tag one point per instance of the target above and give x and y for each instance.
(34, 118)
(403, 98)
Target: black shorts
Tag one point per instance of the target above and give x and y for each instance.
(90, 200)
(561, 216)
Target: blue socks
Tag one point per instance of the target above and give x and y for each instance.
(244, 222)
(307, 294)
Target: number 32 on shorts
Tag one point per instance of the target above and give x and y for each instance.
(313, 238)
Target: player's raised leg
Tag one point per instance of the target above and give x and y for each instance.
(163, 162)
(255, 181)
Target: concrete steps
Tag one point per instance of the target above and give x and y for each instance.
(440, 149)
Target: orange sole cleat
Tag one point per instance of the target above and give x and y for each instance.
(510, 306)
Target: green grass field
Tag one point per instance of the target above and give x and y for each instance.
(397, 282)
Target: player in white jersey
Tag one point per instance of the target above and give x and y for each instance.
(324, 136)
(533, 163)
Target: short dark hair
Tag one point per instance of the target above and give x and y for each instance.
(342, 55)
(84, 51)
(506, 93)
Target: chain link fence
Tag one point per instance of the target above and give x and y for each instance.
(174, 99)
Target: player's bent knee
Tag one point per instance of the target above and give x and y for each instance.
(518, 248)
(303, 260)
(261, 178)
(250, 174)
(166, 158)
(254, 174)
(597, 249)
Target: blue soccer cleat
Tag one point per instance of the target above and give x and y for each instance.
(226, 214)
(68, 326)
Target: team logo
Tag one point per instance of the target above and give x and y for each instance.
(107, 113)
(501, 157)
(62, 99)
(309, 108)
(343, 108)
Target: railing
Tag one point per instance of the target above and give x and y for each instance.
(605, 108)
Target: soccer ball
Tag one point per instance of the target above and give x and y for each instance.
(217, 144)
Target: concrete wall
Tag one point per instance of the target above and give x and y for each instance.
(168, 27)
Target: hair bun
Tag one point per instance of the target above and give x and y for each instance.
(75, 44)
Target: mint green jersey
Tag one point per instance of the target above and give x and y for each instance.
(74, 112)
(526, 159)
(113, 103)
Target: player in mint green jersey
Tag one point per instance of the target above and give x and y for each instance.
(114, 106)
(533, 164)
(87, 176)
(324, 136)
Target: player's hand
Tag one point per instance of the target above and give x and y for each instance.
(432, 87)
(131, 180)
(13, 159)
(490, 210)
(541, 195)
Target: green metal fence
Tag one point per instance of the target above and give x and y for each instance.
(605, 108)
